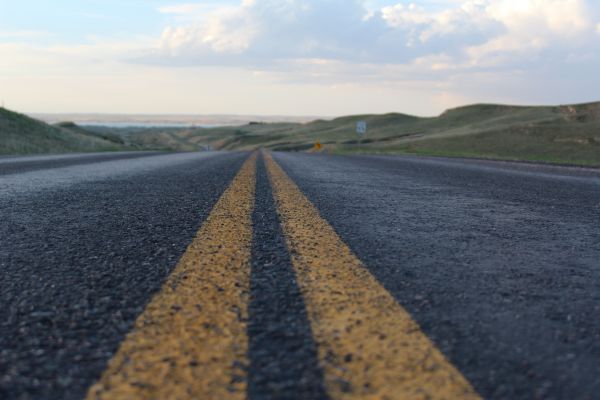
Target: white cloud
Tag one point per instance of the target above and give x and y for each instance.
(457, 51)
(256, 32)
(346, 41)
(266, 30)
(565, 17)
(221, 30)
(537, 25)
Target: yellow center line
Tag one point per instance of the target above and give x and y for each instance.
(369, 346)
(190, 341)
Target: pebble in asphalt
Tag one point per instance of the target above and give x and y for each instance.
(498, 262)
(282, 353)
(83, 250)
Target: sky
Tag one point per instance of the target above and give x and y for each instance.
(295, 57)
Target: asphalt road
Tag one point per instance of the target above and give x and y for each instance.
(11, 165)
(498, 264)
(83, 249)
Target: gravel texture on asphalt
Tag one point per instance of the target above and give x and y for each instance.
(13, 165)
(28, 182)
(499, 263)
(83, 250)
(282, 352)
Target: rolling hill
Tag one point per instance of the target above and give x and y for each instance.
(20, 134)
(564, 134)
(561, 134)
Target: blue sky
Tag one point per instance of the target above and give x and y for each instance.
(73, 21)
(296, 57)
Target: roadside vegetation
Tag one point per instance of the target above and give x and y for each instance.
(560, 134)
(20, 134)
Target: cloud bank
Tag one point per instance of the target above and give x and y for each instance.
(336, 56)
(446, 45)
(472, 33)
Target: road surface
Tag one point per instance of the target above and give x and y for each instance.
(297, 276)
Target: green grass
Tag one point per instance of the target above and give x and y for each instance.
(555, 140)
(561, 134)
(20, 134)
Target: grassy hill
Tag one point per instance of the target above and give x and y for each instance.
(564, 134)
(20, 134)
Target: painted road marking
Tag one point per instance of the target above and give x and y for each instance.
(190, 341)
(369, 346)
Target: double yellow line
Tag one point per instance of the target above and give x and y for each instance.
(191, 341)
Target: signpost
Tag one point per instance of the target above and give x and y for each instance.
(361, 128)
